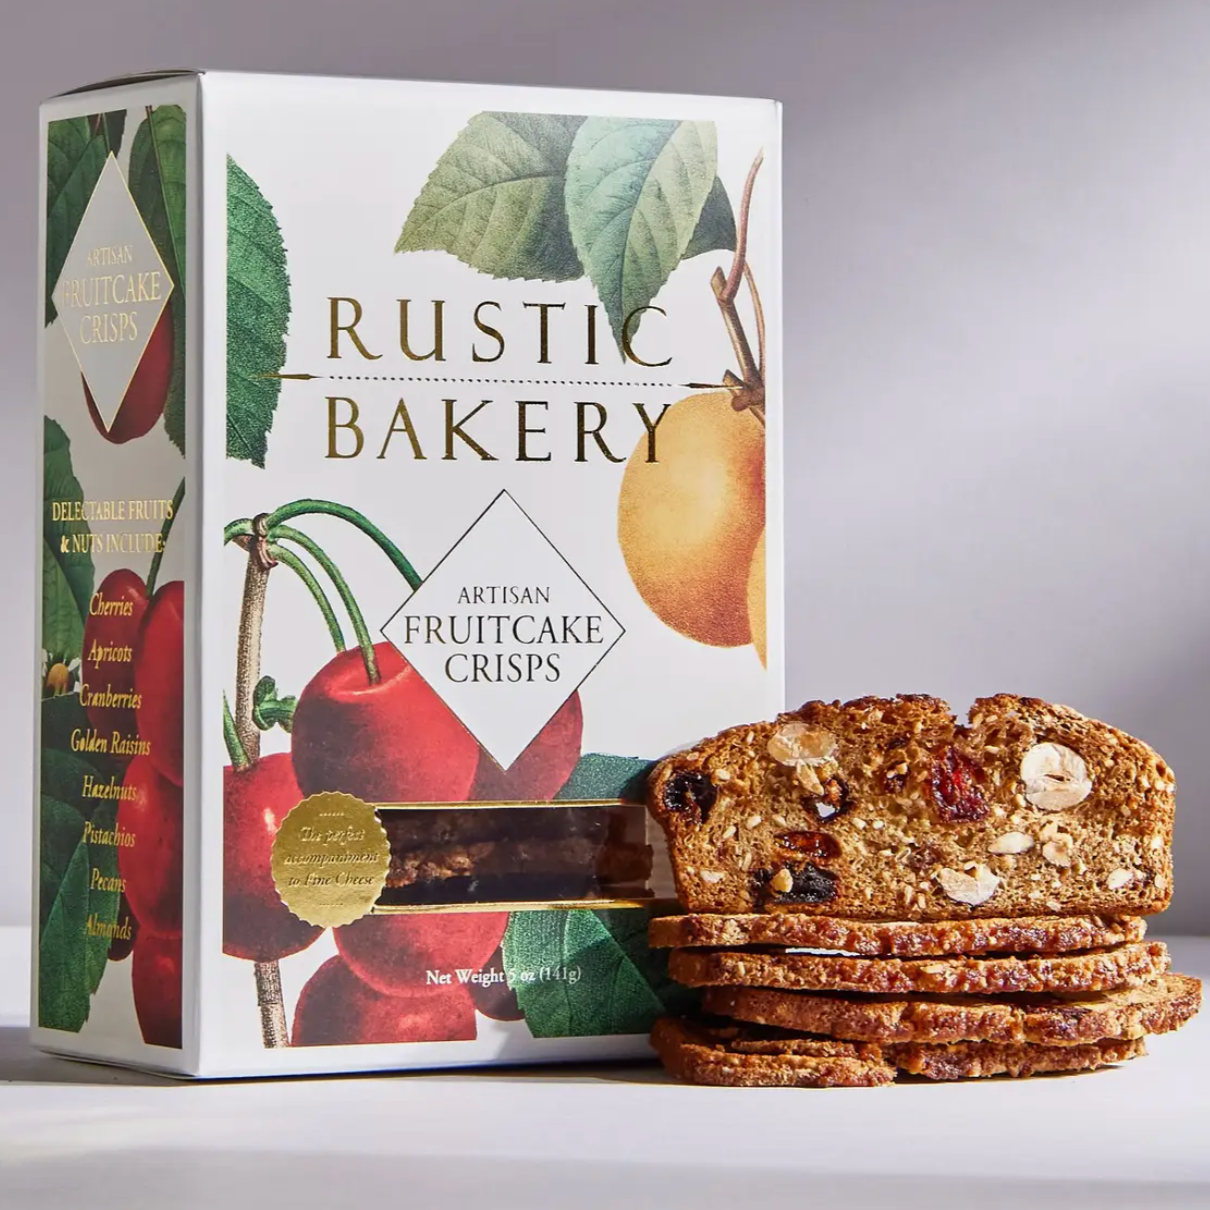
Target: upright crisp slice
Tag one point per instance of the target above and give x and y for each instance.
(889, 809)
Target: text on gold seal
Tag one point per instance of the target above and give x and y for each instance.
(330, 859)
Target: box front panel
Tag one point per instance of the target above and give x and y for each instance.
(110, 834)
(500, 476)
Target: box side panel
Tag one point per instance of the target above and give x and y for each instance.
(392, 472)
(114, 564)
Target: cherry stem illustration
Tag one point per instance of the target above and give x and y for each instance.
(289, 559)
(252, 614)
(235, 749)
(750, 386)
(272, 1007)
(300, 508)
(243, 730)
(154, 570)
(364, 641)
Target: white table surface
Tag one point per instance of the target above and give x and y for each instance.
(72, 1134)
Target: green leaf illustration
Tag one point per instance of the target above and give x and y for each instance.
(75, 154)
(577, 973)
(258, 313)
(495, 198)
(598, 775)
(158, 163)
(635, 192)
(158, 170)
(715, 231)
(73, 943)
(67, 575)
(110, 126)
(60, 829)
(174, 406)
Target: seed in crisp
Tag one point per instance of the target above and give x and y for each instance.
(782, 882)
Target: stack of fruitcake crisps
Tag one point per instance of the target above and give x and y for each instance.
(874, 888)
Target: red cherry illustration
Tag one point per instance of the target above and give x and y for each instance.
(257, 926)
(394, 954)
(108, 637)
(496, 1000)
(540, 771)
(120, 947)
(151, 812)
(159, 677)
(143, 403)
(156, 977)
(395, 741)
(335, 1008)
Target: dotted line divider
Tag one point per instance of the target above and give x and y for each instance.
(540, 382)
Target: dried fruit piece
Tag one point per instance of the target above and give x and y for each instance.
(1012, 842)
(807, 884)
(796, 743)
(817, 845)
(690, 791)
(1055, 777)
(833, 799)
(973, 889)
(923, 857)
(956, 788)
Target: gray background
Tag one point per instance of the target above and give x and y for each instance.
(997, 315)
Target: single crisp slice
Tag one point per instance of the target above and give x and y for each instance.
(1091, 971)
(735, 1056)
(889, 810)
(966, 1060)
(1156, 1007)
(900, 938)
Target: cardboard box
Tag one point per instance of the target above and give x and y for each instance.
(410, 482)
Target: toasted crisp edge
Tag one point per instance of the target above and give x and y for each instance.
(856, 1018)
(1092, 970)
(688, 1056)
(898, 939)
(978, 1060)
(689, 1053)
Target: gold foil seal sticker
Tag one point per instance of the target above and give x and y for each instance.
(330, 859)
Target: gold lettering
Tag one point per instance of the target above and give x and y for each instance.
(488, 330)
(524, 432)
(401, 422)
(454, 429)
(436, 353)
(651, 426)
(544, 328)
(351, 424)
(350, 329)
(583, 432)
(627, 328)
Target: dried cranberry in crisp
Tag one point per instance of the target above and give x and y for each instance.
(833, 801)
(688, 791)
(956, 788)
(924, 857)
(809, 844)
(810, 885)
